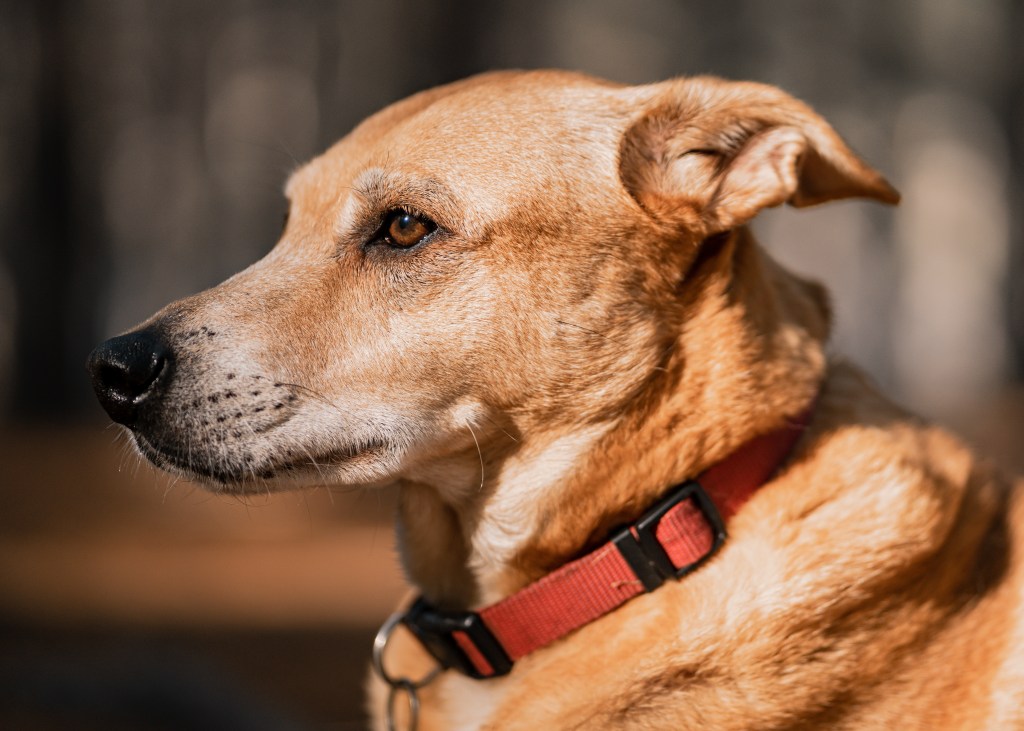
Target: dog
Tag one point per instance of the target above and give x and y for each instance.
(531, 301)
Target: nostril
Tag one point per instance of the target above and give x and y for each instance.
(126, 371)
(131, 378)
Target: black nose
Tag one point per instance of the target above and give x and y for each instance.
(127, 371)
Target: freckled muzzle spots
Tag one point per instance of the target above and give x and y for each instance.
(218, 425)
(243, 409)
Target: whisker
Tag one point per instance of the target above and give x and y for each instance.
(316, 466)
(316, 395)
(498, 426)
(479, 452)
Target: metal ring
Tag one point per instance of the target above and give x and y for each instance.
(380, 643)
(414, 704)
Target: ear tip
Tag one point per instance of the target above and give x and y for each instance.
(885, 192)
(877, 189)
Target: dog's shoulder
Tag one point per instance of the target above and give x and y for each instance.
(927, 520)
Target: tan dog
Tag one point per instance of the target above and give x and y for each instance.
(530, 301)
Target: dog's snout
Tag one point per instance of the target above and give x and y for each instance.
(127, 371)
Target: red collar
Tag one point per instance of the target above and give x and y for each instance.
(670, 540)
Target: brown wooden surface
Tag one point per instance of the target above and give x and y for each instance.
(90, 535)
(128, 600)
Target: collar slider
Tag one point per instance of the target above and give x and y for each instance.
(644, 552)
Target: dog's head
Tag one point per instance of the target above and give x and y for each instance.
(498, 256)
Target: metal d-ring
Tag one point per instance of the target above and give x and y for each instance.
(414, 705)
(401, 684)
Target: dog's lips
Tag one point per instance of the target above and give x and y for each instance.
(333, 458)
(188, 465)
(238, 472)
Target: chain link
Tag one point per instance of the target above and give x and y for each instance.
(398, 685)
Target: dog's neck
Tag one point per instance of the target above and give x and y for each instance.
(746, 352)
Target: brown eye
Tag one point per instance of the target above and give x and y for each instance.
(405, 229)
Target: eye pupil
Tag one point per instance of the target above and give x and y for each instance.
(407, 229)
(405, 222)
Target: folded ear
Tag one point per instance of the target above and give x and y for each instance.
(711, 154)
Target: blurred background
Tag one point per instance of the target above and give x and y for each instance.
(143, 147)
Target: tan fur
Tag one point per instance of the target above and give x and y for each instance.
(591, 325)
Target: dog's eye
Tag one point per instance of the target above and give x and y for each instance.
(404, 229)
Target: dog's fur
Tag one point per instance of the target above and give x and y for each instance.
(590, 324)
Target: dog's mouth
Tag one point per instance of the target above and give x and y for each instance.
(238, 470)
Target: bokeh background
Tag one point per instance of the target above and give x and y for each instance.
(143, 147)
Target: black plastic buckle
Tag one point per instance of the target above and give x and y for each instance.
(643, 552)
(434, 628)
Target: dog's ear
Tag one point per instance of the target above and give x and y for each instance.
(710, 154)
